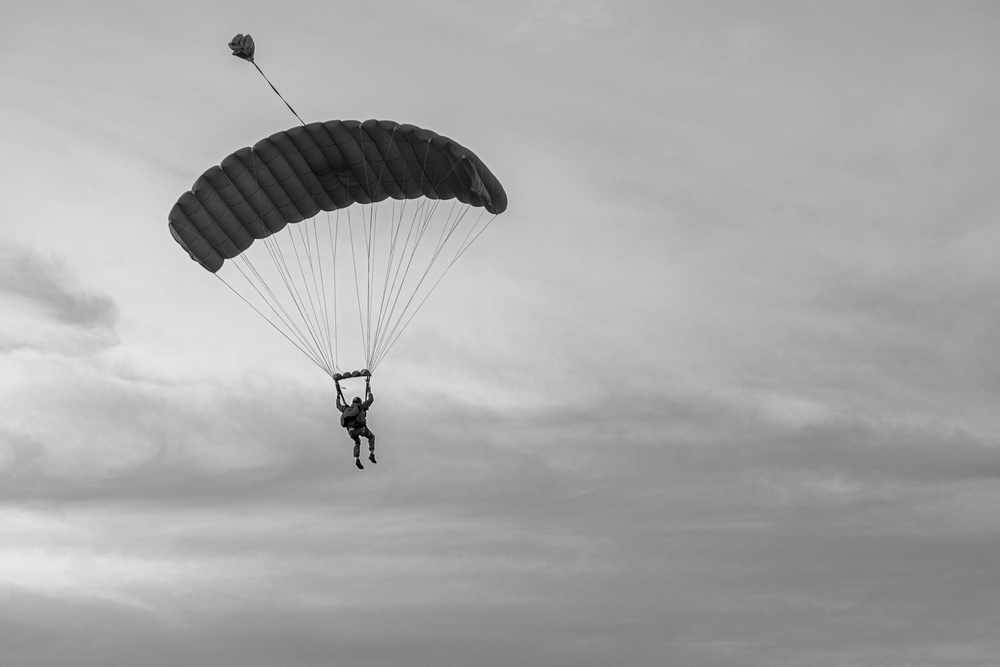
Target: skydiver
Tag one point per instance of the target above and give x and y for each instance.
(354, 418)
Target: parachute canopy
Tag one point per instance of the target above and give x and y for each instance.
(295, 174)
(379, 248)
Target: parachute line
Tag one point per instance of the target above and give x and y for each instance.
(277, 328)
(388, 347)
(276, 92)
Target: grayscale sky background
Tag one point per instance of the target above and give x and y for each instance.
(719, 388)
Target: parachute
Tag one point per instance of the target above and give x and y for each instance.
(338, 231)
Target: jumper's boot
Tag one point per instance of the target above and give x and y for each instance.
(357, 462)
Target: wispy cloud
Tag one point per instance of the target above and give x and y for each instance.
(48, 284)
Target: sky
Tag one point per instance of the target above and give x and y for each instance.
(718, 388)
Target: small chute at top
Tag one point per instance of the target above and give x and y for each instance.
(242, 46)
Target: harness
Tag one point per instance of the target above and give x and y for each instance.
(355, 419)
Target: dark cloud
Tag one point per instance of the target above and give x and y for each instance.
(589, 540)
(48, 283)
(712, 437)
(227, 441)
(593, 535)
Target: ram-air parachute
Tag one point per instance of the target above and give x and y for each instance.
(336, 232)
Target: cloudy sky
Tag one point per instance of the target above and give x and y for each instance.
(719, 388)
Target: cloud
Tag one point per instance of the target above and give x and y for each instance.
(578, 523)
(47, 283)
(579, 529)
(123, 433)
